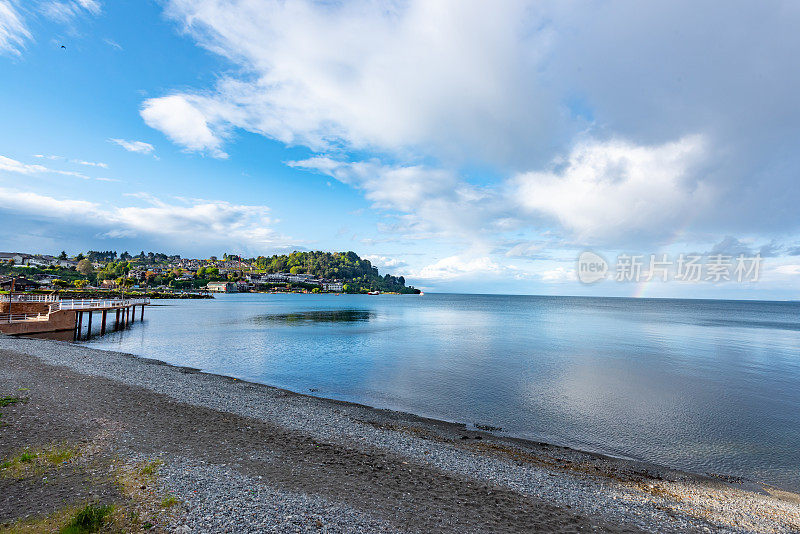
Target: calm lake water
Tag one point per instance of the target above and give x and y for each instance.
(709, 386)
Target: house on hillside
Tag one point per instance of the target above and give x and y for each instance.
(335, 286)
(17, 257)
(20, 284)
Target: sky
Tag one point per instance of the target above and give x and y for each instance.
(470, 146)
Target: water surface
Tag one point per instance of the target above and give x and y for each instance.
(709, 386)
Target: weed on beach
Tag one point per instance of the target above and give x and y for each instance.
(138, 482)
(9, 401)
(30, 462)
(169, 501)
(70, 520)
(89, 519)
(150, 468)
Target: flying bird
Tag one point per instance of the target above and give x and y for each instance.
(64, 47)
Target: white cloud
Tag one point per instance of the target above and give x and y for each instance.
(459, 266)
(428, 201)
(190, 222)
(90, 163)
(368, 74)
(558, 274)
(22, 201)
(92, 6)
(113, 44)
(792, 270)
(384, 262)
(140, 147)
(526, 249)
(13, 31)
(12, 165)
(183, 122)
(510, 87)
(66, 11)
(613, 188)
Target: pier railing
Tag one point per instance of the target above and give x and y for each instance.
(95, 304)
(29, 298)
(21, 317)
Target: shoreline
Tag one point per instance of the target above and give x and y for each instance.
(606, 491)
(487, 430)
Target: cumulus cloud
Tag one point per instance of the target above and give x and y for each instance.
(385, 262)
(429, 201)
(192, 222)
(13, 31)
(514, 87)
(140, 147)
(182, 120)
(368, 74)
(459, 266)
(613, 188)
(22, 201)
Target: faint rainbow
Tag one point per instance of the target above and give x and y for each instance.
(642, 286)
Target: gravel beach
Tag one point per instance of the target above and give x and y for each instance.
(226, 455)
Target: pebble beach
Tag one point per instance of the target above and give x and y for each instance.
(236, 456)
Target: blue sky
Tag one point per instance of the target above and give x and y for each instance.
(468, 146)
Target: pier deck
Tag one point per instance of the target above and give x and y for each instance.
(33, 314)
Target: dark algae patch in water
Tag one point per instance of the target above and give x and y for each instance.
(318, 316)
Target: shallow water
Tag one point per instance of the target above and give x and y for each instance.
(709, 386)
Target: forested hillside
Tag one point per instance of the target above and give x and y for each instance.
(359, 274)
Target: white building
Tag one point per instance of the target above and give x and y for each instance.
(333, 286)
(222, 287)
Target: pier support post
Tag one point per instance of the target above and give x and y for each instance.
(89, 326)
(75, 331)
(103, 323)
(80, 324)
(116, 320)
(133, 314)
(141, 317)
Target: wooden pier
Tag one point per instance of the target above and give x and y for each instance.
(34, 314)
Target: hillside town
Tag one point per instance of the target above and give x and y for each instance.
(313, 272)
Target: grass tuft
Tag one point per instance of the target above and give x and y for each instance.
(90, 519)
(169, 501)
(151, 468)
(10, 401)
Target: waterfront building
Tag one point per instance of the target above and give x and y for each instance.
(222, 287)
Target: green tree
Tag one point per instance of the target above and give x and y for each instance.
(85, 267)
(63, 255)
